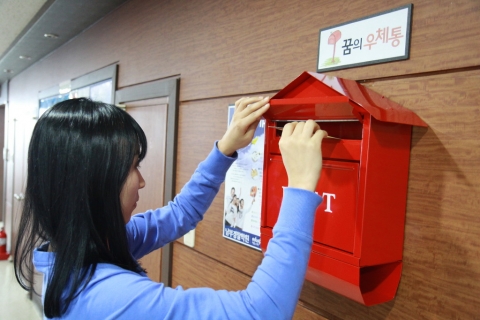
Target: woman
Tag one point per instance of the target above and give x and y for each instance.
(82, 186)
(242, 213)
(231, 212)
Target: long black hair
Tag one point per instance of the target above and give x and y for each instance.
(78, 160)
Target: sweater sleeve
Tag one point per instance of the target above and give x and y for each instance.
(115, 293)
(272, 294)
(275, 287)
(153, 229)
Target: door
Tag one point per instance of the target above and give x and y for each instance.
(140, 96)
(151, 115)
(17, 167)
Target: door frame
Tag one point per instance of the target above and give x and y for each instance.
(169, 88)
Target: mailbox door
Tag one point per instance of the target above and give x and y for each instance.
(335, 217)
(276, 180)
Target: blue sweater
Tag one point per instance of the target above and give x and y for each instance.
(115, 293)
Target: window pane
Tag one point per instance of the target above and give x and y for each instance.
(102, 91)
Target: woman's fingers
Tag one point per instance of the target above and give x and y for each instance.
(242, 103)
(306, 129)
(319, 135)
(310, 128)
(249, 104)
(300, 146)
(299, 128)
(248, 112)
(288, 129)
(254, 114)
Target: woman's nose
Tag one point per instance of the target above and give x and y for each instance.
(142, 181)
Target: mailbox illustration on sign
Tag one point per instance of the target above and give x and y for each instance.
(359, 227)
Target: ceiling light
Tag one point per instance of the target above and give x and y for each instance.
(25, 57)
(7, 71)
(51, 35)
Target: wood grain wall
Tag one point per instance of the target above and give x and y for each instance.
(225, 49)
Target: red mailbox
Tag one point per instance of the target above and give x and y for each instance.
(359, 227)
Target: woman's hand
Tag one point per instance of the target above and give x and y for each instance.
(248, 112)
(300, 146)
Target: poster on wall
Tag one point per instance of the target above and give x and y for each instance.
(243, 191)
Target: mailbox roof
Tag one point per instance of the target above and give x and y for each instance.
(328, 93)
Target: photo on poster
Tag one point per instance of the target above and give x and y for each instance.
(243, 191)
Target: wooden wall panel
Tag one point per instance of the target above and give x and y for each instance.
(302, 313)
(237, 47)
(190, 267)
(263, 35)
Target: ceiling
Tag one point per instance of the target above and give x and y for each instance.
(26, 24)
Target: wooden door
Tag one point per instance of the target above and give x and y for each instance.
(151, 115)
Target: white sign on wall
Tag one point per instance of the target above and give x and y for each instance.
(379, 38)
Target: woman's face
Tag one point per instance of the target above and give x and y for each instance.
(129, 194)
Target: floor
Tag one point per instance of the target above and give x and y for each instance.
(14, 301)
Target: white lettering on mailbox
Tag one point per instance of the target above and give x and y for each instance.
(329, 197)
